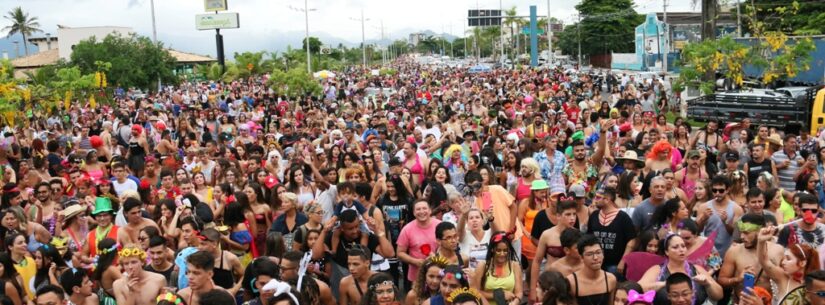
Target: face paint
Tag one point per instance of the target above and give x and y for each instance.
(809, 217)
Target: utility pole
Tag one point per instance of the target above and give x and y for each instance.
(363, 38)
(306, 11)
(579, 35)
(464, 36)
(667, 36)
(549, 38)
(154, 33)
(501, 28)
(738, 20)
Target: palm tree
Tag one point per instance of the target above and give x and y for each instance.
(21, 23)
(511, 20)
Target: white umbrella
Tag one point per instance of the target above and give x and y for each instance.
(323, 74)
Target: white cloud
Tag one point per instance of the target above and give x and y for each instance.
(271, 24)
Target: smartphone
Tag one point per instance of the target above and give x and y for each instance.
(749, 281)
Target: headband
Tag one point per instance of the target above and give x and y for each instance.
(374, 286)
(747, 226)
(132, 251)
(465, 290)
(109, 250)
(170, 297)
(447, 274)
(647, 297)
(804, 257)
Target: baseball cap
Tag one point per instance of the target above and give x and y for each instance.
(692, 153)
(732, 155)
(577, 190)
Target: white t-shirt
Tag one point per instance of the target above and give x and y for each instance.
(474, 249)
(126, 185)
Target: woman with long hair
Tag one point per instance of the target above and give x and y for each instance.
(528, 209)
(773, 204)
(49, 266)
(14, 219)
(237, 236)
(301, 185)
(500, 270)
(202, 189)
(261, 211)
(554, 289)
(381, 291)
(673, 247)
(453, 278)
(11, 280)
(235, 179)
(168, 217)
(681, 139)
(701, 194)
(799, 259)
(629, 192)
(427, 282)
(668, 217)
(107, 271)
(690, 233)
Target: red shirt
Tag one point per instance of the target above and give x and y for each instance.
(572, 112)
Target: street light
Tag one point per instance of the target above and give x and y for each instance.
(363, 38)
(306, 11)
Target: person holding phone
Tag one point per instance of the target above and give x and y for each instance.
(742, 259)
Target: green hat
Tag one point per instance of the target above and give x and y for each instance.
(102, 204)
(538, 185)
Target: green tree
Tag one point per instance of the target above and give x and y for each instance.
(293, 83)
(798, 17)
(136, 60)
(23, 24)
(252, 63)
(314, 45)
(606, 26)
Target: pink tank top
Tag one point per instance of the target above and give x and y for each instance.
(522, 190)
(689, 185)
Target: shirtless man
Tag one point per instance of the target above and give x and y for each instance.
(137, 287)
(199, 267)
(572, 260)
(134, 222)
(78, 287)
(743, 257)
(354, 285)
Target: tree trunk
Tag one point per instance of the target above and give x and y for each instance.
(25, 45)
(709, 14)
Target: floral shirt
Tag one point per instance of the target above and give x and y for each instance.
(551, 170)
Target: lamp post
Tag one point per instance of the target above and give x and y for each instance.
(306, 11)
(363, 38)
(154, 34)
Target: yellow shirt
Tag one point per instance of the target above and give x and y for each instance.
(27, 269)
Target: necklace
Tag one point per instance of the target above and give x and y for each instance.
(101, 234)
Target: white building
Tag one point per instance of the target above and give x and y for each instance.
(70, 36)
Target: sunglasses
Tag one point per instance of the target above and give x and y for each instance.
(718, 191)
(810, 210)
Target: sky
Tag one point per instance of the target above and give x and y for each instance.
(273, 24)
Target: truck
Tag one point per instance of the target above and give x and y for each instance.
(789, 110)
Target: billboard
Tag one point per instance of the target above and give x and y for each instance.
(214, 5)
(217, 21)
(484, 17)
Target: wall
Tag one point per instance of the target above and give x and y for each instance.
(69, 37)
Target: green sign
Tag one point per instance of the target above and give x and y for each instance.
(526, 31)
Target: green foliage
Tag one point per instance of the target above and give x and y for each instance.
(797, 17)
(23, 24)
(314, 45)
(135, 60)
(606, 26)
(293, 83)
(255, 60)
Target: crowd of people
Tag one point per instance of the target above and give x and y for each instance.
(425, 186)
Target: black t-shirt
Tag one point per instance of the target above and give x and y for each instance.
(613, 237)
(542, 223)
(165, 273)
(340, 255)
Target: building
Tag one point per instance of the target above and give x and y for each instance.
(415, 38)
(53, 49)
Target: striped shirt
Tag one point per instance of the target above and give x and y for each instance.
(786, 175)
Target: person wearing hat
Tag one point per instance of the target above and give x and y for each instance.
(731, 158)
(104, 216)
(694, 171)
(630, 161)
(71, 229)
(527, 211)
(228, 271)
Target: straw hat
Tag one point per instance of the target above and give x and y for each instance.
(775, 139)
(631, 155)
(72, 211)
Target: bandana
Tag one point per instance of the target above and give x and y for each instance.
(746, 227)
